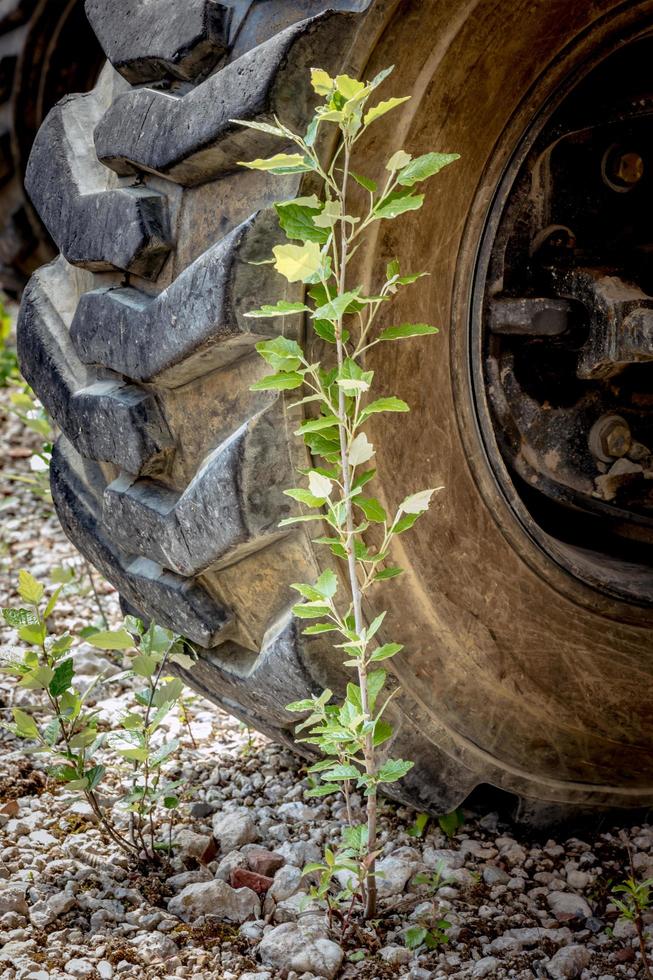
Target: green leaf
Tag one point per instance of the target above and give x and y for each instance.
(414, 936)
(327, 583)
(418, 828)
(304, 497)
(308, 610)
(19, 617)
(381, 108)
(342, 771)
(319, 628)
(26, 727)
(307, 704)
(95, 776)
(300, 519)
(278, 382)
(451, 822)
(407, 330)
(369, 185)
(62, 678)
(168, 693)
(372, 509)
(64, 774)
(382, 732)
(281, 308)
(324, 790)
(404, 523)
(280, 164)
(375, 625)
(386, 651)
(394, 769)
(396, 203)
(425, 166)
(34, 635)
(335, 308)
(49, 609)
(387, 573)
(134, 755)
(38, 679)
(282, 353)
(298, 263)
(143, 665)
(316, 425)
(375, 681)
(112, 640)
(384, 405)
(28, 588)
(297, 221)
(326, 331)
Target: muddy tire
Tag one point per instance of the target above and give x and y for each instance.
(518, 672)
(46, 50)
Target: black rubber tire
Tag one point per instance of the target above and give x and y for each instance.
(46, 49)
(169, 472)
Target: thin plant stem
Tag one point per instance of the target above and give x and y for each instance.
(356, 598)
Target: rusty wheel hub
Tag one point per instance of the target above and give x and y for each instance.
(564, 306)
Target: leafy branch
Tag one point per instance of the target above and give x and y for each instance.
(329, 232)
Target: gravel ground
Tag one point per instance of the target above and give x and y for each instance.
(70, 906)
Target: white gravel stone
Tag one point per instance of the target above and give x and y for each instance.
(566, 905)
(286, 882)
(395, 955)
(80, 968)
(568, 962)
(291, 946)
(485, 967)
(215, 898)
(12, 898)
(233, 829)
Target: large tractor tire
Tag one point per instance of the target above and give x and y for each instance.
(47, 49)
(525, 609)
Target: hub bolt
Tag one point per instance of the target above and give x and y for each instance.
(610, 438)
(622, 169)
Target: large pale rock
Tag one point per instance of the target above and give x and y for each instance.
(568, 962)
(567, 905)
(215, 898)
(292, 946)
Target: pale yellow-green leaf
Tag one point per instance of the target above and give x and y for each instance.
(277, 162)
(28, 588)
(381, 108)
(329, 215)
(320, 486)
(360, 450)
(417, 503)
(349, 87)
(398, 160)
(297, 263)
(321, 81)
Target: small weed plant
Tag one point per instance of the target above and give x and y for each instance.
(80, 744)
(636, 899)
(325, 231)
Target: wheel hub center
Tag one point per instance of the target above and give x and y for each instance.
(567, 321)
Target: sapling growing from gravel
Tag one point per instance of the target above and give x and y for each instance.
(81, 745)
(325, 232)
